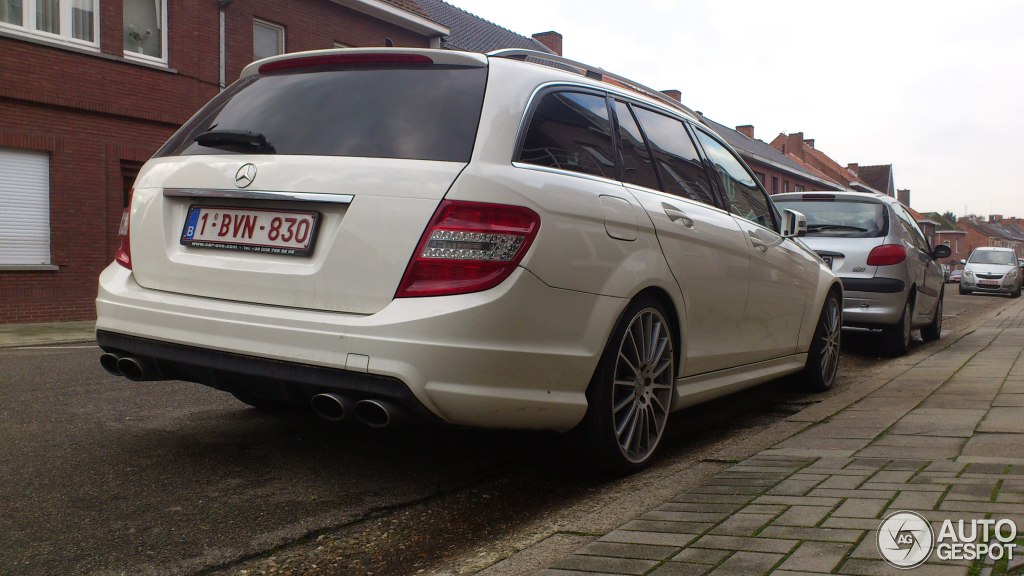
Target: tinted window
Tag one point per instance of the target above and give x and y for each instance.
(676, 157)
(913, 232)
(828, 217)
(637, 167)
(571, 131)
(424, 114)
(745, 199)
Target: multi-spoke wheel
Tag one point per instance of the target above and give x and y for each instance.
(631, 393)
(823, 355)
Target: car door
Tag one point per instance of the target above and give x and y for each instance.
(924, 269)
(782, 275)
(703, 245)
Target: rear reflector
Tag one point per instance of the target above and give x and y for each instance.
(887, 255)
(345, 60)
(468, 247)
(124, 251)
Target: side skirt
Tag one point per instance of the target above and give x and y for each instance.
(694, 390)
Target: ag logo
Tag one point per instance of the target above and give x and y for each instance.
(905, 539)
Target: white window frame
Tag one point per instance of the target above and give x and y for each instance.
(281, 37)
(27, 28)
(162, 60)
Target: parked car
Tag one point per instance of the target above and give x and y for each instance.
(954, 276)
(993, 271)
(469, 239)
(889, 271)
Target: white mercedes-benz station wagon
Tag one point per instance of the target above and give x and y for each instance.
(479, 240)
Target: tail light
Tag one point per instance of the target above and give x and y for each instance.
(124, 251)
(468, 247)
(887, 255)
(379, 59)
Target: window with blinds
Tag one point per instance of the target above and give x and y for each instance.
(25, 216)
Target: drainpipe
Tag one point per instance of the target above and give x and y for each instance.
(222, 5)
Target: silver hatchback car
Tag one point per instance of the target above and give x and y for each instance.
(890, 273)
(992, 270)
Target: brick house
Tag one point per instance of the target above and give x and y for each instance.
(796, 145)
(778, 172)
(90, 88)
(995, 231)
(940, 230)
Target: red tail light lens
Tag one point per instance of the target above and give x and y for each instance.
(124, 251)
(887, 255)
(468, 247)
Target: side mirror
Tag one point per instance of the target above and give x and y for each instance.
(794, 224)
(963, 261)
(941, 251)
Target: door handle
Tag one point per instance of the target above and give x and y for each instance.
(674, 214)
(758, 243)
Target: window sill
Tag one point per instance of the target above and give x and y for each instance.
(86, 51)
(29, 268)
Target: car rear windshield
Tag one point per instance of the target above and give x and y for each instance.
(425, 113)
(840, 218)
(993, 257)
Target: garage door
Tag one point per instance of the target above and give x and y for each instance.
(24, 207)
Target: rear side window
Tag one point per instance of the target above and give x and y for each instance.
(746, 199)
(681, 170)
(571, 131)
(637, 167)
(827, 217)
(428, 113)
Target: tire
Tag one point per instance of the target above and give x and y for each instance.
(823, 356)
(964, 292)
(1016, 292)
(632, 391)
(265, 405)
(896, 338)
(933, 331)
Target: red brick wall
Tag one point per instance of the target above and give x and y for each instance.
(91, 111)
(785, 179)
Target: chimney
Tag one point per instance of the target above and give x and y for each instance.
(904, 197)
(747, 130)
(552, 40)
(995, 218)
(854, 167)
(809, 142)
(793, 145)
(673, 94)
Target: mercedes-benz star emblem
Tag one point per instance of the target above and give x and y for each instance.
(245, 175)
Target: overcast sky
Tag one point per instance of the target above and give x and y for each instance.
(935, 88)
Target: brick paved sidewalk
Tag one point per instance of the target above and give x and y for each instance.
(943, 437)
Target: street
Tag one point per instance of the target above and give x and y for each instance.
(105, 476)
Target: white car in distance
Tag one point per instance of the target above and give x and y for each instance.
(471, 239)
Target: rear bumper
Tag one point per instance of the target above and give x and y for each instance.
(517, 356)
(873, 302)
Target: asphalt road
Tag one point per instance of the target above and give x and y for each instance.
(99, 475)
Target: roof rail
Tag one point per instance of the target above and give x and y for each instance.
(593, 73)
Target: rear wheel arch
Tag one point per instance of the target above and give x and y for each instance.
(663, 298)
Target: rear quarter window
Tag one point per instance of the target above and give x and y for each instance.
(425, 113)
(570, 131)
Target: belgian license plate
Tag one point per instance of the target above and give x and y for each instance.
(828, 260)
(988, 282)
(284, 232)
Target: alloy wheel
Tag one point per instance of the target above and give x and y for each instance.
(831, 339)
(642, 385)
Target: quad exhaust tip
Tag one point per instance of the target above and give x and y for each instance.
(379, 413)
(109, 363)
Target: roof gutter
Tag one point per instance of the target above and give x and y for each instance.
(397, 16)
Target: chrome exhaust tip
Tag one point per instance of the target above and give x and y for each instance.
(379, 413)
(331, 407)
(138, 369)
(109, 363)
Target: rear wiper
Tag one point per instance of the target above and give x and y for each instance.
(236, 141)
(819, 227)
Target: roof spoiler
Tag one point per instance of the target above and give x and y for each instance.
(365, 56)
